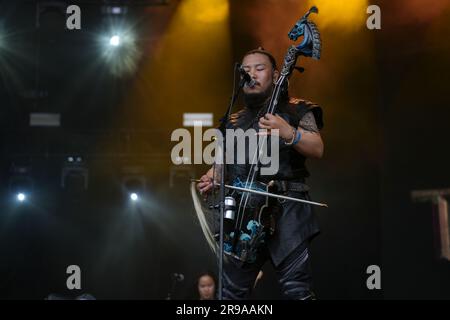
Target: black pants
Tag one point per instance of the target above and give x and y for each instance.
(294, 274)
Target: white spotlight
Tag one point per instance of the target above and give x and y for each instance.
(116, 10)
(114, 41)
(134, 196)
(21, 197)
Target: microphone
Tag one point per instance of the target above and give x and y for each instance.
(249, 82)
(178, 277)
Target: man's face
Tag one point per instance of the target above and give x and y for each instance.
(259, 68)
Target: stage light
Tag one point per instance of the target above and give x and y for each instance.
(114, 41)
(20, 181)
(207, 11)
(21, 197)
(46, 7)
(114, 10)
(134, 196)
(134, 182)
(75, 174)
(120, 51)
(347, 15)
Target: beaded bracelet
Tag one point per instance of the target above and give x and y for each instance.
(297, 138)
(293, 138)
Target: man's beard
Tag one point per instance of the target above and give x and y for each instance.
(255, 101)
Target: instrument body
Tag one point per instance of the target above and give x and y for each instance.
(254, 223)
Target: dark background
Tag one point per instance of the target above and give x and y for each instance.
(384, 95)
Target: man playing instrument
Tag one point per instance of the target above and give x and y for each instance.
(294, 225)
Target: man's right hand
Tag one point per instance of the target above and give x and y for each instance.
(205, 184)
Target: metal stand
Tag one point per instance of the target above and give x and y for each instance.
(222, 180)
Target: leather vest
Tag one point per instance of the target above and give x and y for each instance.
(291, 163)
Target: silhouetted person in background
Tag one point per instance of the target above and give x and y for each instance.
(206, 286)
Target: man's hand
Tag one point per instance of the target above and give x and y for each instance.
(205, 184)
(310, 144)
(270, 121)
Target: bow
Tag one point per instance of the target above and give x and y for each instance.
(206, 221)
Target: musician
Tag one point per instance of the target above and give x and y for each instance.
(287, 247)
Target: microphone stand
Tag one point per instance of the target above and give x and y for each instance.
(172, 289)
(175, 280)
(222, 178)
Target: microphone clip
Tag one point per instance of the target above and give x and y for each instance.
(246, 79)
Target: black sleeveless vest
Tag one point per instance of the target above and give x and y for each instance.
(291, 163)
